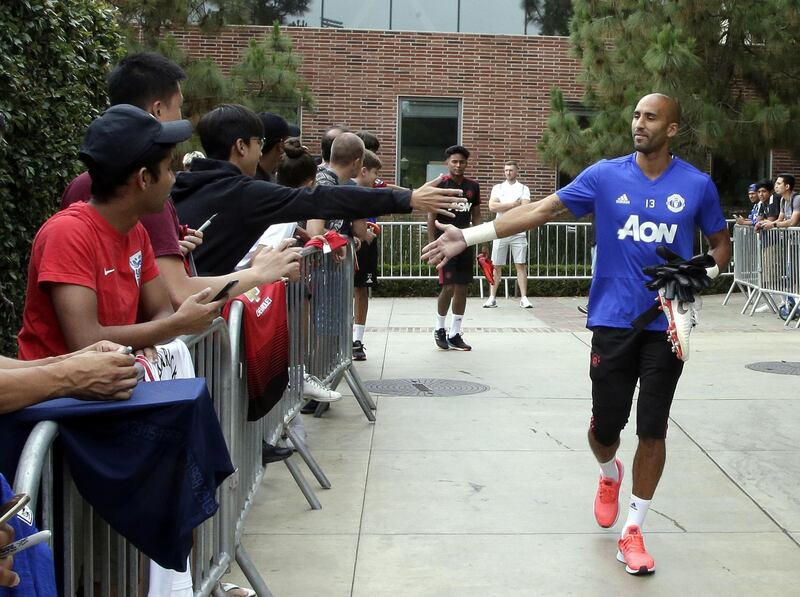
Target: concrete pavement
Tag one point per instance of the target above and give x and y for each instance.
(491, 494)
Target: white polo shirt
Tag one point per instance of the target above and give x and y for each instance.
(508, 193)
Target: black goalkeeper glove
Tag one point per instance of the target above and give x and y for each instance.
(680, 278)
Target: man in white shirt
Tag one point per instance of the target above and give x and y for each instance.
(508, 195)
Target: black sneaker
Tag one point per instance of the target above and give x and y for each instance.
(270, 453)
(441, 339)
(583, 309)
(310, 407)
(358, 351)
(458, 343)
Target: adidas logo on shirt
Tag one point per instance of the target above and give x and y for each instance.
(623, 199)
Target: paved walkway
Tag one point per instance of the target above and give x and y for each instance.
(491, 494)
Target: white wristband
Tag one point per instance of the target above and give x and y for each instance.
(481, 233)
(712, 272)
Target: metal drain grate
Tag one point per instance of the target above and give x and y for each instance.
(779, 367)
(424, 386)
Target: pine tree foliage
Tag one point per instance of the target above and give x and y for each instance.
(733, 66)
(268, 77)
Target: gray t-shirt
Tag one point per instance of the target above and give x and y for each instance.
(790, 206)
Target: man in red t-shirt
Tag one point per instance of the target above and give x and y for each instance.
(92, 274)
(153, 83)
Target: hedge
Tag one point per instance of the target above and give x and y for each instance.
(54, 56)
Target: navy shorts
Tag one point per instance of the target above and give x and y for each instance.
(620, 358)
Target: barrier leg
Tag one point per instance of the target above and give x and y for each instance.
(251, 572)
(791, 316)
(362, 396)
(356, 379)
(730, 290)
(305, 453)
(322, 408)
(308, 493)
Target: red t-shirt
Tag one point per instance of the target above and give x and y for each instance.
(163, 227)
(77, 246)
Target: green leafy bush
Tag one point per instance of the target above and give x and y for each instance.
(54, 56)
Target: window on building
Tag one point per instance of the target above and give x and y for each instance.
(498, 16)
(426, 127)
(732, 178)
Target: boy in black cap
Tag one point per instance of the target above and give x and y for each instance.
(92, 274)
(276, 131)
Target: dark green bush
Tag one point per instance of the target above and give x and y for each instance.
(54, 56)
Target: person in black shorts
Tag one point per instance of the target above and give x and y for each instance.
(455, 277)
(366, 277)
(647, 206)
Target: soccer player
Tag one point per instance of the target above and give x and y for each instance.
(456, 275)
(640, 202)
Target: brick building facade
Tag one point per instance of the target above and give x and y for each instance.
(502, 81)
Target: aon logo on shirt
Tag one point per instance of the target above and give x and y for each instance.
(647, 232)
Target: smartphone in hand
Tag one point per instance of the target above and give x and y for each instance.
(12, 506)
(224, 291)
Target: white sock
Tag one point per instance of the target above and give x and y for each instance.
(637, 510)
(440, 321)
(455, 326)
(609, 469)
(358, 332)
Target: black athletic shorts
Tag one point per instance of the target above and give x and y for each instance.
(367, 258)
(620, 358)
(460, 269)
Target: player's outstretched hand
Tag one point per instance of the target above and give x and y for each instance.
(448, 245)
(431, 198)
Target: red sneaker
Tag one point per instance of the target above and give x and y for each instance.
(633, 554)
(606, 502)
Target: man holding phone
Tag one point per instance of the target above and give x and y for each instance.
(92, 274)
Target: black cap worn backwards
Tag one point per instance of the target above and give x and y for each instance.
(125, 133)
(276, 128)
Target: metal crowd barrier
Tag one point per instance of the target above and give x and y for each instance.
(89, 554)
(319, 313)
(556, 251)
(767, 267)
(92, 556)
(329, 350)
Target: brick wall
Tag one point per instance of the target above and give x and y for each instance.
(356, 76)
(504, 83)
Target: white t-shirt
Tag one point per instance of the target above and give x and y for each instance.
(271, 237)
(508, 193)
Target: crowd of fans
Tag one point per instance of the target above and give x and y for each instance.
(128, 264)
(776, 206)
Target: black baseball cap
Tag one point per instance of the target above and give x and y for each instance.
(123, 134)
(276, 128)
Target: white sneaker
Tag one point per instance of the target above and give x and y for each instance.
(490, 303)
(681, 318)
(525, 303)
(313, 388)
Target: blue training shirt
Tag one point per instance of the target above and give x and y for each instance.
(634, 215)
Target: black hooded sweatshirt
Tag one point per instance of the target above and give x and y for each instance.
(246, 207)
